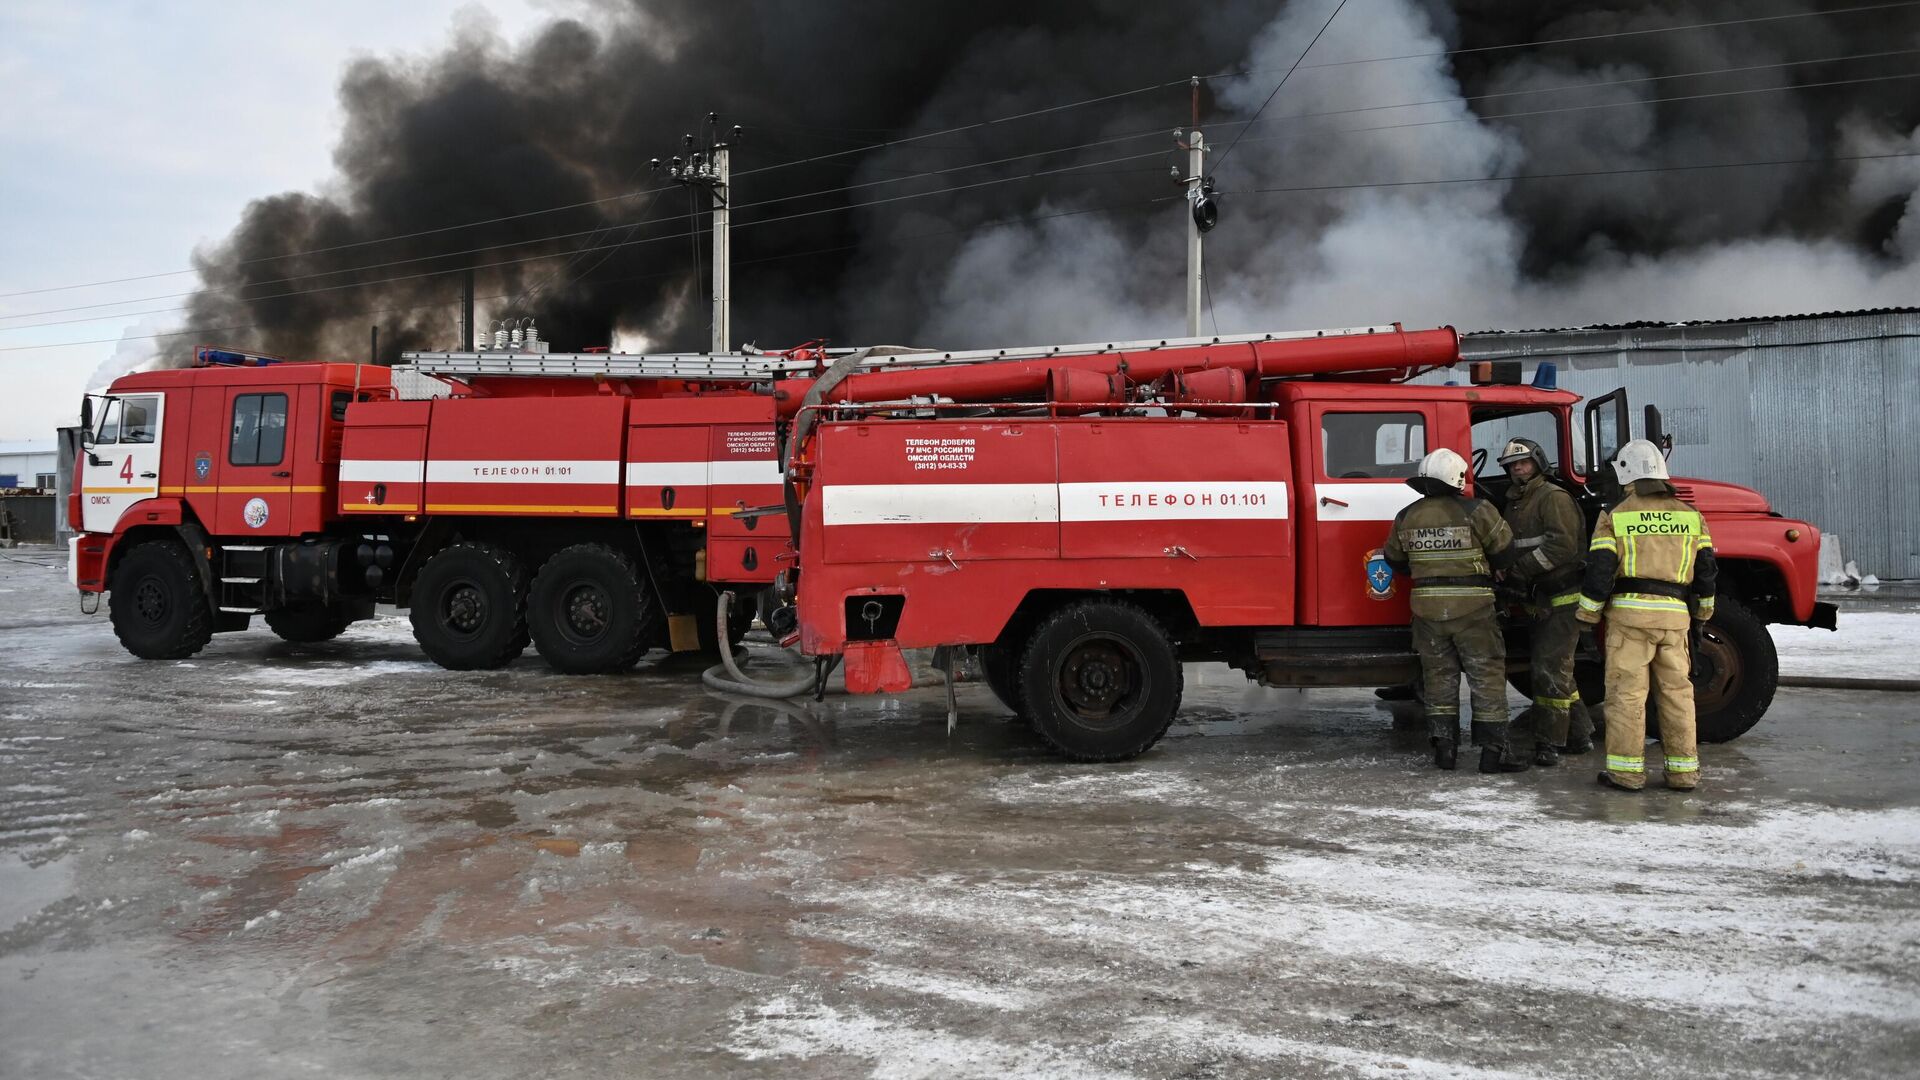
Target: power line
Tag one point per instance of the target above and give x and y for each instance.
(963, 128)
(1590, 86)
(977, 125)
(1222, 159)
(1589, 37)
(1573, 175)
(1602, 105)
(596, 230)
(553, 255)
(692, 216)
(981, 227)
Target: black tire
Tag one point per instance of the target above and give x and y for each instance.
(589, 611)
(469, 607)
(1735, 672)
(311, 623)
(158, 608)
(1100, 680)
(998, 665)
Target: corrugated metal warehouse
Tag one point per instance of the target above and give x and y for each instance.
(1817, 412)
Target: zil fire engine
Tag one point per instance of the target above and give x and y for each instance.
(1087, 518)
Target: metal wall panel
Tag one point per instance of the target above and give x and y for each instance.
(1819, 414)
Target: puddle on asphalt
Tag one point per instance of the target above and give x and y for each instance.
(26, 887)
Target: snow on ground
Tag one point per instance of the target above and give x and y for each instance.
(1868, 644)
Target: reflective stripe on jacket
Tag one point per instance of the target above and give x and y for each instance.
(1449, 545)
(1650, 562)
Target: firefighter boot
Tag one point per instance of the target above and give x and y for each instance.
(1496, 754)
(1579, 730)
(1622, 781)
(1535, 722)
(1443, 732)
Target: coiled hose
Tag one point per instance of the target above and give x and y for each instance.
(727, 678)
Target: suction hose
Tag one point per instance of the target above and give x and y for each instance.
(726, 676)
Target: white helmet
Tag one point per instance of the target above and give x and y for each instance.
(1639, 460)
(1446, 467)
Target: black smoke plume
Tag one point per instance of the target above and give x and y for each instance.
(488, 129)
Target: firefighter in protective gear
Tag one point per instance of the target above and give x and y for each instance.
(1650, 567)
(1549, 534)
(1451, 545)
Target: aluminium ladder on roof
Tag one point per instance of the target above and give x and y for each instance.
(763, 366)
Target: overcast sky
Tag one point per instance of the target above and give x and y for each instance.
(135, 131)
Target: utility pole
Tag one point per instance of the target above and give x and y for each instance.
(712, 168)
(1196, 147)
(1203, 209)
(466, 311)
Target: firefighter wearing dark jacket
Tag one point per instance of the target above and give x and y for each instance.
(1450, 545)
(1650, 568)
(1549, 534)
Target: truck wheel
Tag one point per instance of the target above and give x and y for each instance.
(997, 664)
(469, 607)
(1735, 672)
(309, 623)
(1100, 680)
(589, 613)
(158, 609)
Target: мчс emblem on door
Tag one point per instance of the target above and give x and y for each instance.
(1380, 585)
(255, 513)
(203, 466)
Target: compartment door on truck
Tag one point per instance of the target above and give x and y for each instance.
(123, 463)
(256, 468)
(1363, 455)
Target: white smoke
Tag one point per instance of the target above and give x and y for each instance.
(139, 350)
(1444, 253)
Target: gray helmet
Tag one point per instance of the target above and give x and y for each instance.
(1520, 450)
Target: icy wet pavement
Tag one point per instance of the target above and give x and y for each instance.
(344, 862)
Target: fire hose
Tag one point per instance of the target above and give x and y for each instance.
(727, 677)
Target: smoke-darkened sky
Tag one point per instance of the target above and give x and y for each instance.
(572, 113)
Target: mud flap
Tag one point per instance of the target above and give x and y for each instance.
(876, 667)
(1824, 617)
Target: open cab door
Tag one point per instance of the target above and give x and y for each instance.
(1608, 428)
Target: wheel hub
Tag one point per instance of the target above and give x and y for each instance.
(150, 601)
(466, 608)
(1094, 677)
(587, 611)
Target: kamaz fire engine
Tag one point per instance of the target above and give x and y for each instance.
(1087, 518)
(585, 502)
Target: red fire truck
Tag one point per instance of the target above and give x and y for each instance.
(1089, 517)
(585, 502)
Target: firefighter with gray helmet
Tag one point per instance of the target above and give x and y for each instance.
(1451, 545)
(1650, 568)
(1549, 533)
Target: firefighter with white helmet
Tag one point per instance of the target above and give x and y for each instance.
(1550, 534)
(1650, 568)
(1451, 546)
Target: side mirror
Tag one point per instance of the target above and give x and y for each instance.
(1656, 434)
(86, 420)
